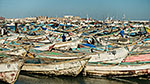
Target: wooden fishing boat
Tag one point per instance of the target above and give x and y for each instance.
(10, 68)
(60, 45)
(140, 48)
(36, 37)
(137, 58)
(55, 67)
(16, 52)
(68, 44)
(8, 38)
(57, 38)
(55, 54)
(44, 47)
(107, 32)
(27, 38)
(112, 56)
(121, 70)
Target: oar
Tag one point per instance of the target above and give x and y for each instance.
(28, 53)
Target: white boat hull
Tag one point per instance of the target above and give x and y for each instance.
(115, 56)
(117, 70)
(70, 68)
(9, 71)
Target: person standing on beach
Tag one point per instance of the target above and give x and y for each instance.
(122, 33)
(63, 38)
(1, 31)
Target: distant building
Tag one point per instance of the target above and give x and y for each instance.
(77, 17)
(42, 18)
(2, 19)
(68, 16)
(30, 19)
(72, 17)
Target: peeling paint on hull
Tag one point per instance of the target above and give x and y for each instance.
(117, 70)
(70, 68)
(9, 71)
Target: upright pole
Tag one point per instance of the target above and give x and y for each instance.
(16, 27)
(129, 36)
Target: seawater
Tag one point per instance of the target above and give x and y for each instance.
(24, 79)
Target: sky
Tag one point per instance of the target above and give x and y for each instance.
(97, 9)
